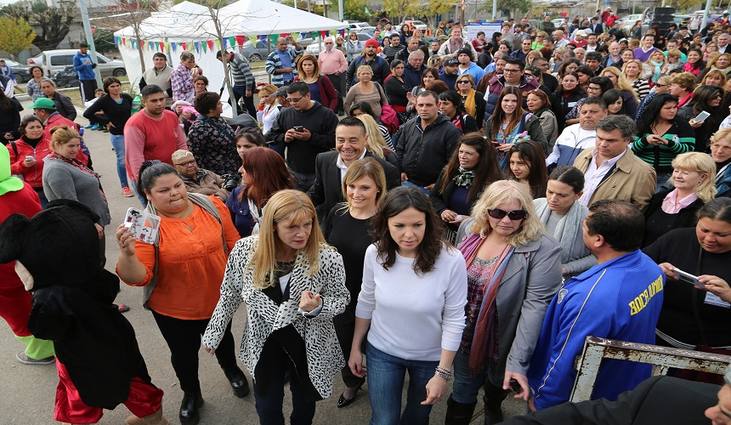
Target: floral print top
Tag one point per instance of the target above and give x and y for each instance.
(212, 142)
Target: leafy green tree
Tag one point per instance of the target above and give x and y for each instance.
(356, 10)
(53, 22)
(513, 6)
(401, 8)
(16, 35)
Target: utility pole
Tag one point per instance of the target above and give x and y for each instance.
(494, 9)
(341, 12)
(84, 9)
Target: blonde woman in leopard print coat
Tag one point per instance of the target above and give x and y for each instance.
(293, 284)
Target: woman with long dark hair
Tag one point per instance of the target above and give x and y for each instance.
(708, 99)
(396, 87)
(472, 167)
(408, 257)
(566, 96)
(528, 166)
(508, 122)
(27, 154)
(263, 173)
(116, 108)
(662, 135)
(694, 63)
(450, 105)
(539, 105)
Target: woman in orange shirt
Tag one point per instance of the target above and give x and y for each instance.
(196, 233)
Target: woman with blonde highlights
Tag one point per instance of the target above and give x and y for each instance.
(321, 89)
(513, 271)
(293, 284)
(693, 178)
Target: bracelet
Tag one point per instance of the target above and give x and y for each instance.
(443, 373)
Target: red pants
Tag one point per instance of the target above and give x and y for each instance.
(15, 303)
(144, 399)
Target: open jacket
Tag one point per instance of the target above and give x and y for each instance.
(630, 180)
(324, 358)
(531, 279)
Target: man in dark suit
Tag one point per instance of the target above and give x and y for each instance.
(351, 143)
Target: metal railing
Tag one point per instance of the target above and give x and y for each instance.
(662, 358)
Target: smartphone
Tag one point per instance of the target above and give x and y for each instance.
(702, 116)
(29, 158)
(689, 278)
(298, 128)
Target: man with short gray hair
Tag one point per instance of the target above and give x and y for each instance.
(198, 180)
(611, 170)
(414, 69)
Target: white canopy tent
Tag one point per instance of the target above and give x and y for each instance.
(188, 26)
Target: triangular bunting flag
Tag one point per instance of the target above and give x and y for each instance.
(240, 40)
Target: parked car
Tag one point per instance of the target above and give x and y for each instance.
(314, 48)
(258, 50)
(22, 75)
(414, 23)
(67, 77)
(54, 61)
(357, 26)
(627, 22)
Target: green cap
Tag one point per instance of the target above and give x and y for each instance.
(8, 183)
(44, 103)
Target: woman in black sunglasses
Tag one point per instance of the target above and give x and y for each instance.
(513, 270)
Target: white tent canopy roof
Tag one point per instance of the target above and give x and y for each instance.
(185, 20)
(259, 17)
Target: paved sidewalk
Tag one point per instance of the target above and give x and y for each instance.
(27, 392)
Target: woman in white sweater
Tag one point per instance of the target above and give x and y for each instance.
(412, 299)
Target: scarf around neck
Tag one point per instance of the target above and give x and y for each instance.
(464, 178)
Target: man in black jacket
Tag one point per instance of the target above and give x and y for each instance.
(658, 400)
(64, 106)
(351, 143)
(304, 130)
(425, 143)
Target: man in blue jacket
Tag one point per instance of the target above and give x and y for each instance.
(619, 298)
(84, 67)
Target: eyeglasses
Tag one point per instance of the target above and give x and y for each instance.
(463, 82)
(510, 70)
(514, 215)
(661, 85)
(186, 163)
(328, 42)
(294, 99)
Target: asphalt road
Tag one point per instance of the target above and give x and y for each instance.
(27, 392)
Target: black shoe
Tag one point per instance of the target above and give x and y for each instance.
(458, 413)
(189, 409)
(238, 382)
(493, 416)
(342, 401)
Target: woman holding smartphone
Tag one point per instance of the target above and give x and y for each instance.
(411, 306)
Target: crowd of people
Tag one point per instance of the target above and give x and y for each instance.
(454, 209)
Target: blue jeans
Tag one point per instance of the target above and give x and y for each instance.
(467, 384)
(385, 386)
(141, 197)
(118, 146)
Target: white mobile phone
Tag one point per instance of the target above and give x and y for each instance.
(702, 116)
(689, 278)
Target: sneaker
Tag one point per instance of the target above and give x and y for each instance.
(127, 193)
(89, 127)
(23, 358)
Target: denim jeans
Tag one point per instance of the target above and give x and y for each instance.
(467, 384)
(141, 197)
(118, 146)
(385, 386)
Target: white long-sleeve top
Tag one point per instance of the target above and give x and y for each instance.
(414, 316)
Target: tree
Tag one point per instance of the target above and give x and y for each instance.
(401, 8)
(53, 22)
(16, 36)
(133, 13)
(513, 6)
(356, 10)
(438, 7)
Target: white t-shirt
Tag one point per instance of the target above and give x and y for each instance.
(414, 316)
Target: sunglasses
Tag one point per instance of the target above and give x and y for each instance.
(514, 215)
(463, 82)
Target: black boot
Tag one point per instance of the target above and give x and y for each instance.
(238, 382)
(189, 409)
(493, 411)
(458, 413)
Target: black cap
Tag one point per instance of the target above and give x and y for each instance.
(451, 62)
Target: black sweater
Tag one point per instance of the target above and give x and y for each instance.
(658, 222)
(685, 317)
(320, 121)
(351, 237)
(10, 119)
(116, 113)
